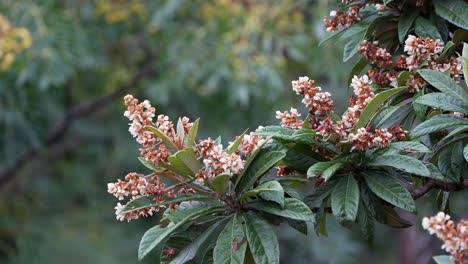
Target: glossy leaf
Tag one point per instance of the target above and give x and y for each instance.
(454, 11)
(445, 84)
(424, 28)
(262, 240)
(230, 246)
(262, 164)
(435, 124)
(404, 24)
(444, 102)
(192, 134)
(235, 145)
(410, 146)
(269, 191)
(390, 189)
(293, 209)
(404, 163)
(375, 104)
(143, 202)
(220, 183)
(345, 199)
(165, 139)
(330, 171)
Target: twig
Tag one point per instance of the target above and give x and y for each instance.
(433, 184)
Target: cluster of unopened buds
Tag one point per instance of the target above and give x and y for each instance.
(319, 110)
(455, 237)
(216, 159)
(418, 50)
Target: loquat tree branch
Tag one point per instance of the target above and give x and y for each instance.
(434, 184)
(56, 133)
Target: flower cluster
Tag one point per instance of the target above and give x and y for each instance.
(217, 160)
(455, 238)
(418, 51)
(364, 138)
(340, 18)
(290, 119)
(13, 40)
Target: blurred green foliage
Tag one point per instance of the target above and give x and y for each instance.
(228, 61)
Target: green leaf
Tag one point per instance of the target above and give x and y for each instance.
(330, 171)
(404, 24)
(269, 191)
(220, 183)
(445, 84)
(435, 124)
(375, 104)
(197, 249)
(148, 164)
(235, 145)
(192, 134)
(155, 235)
(390, 189)
(143, 202)
(187, 157)
(272, 131)
(391, 116)
(455, 131)
(357, 69)
(447, 52)
(165, 139)
(300, 226)
(318, 168)
(345, 199)
(404, 163)
(321, 226)
(388, 216)
(443, 259)
(426, 29)
(249, 161)
(293, 209)
(454, 11)
(419, 109)
(444, 102)
(187, 208)
(352, 47)
(452, 162)
(320, 193)
(436, 173)
(262, 164)
(330, 35)
(366, 221)
(230, 246)
(262, 239)
(410, 146)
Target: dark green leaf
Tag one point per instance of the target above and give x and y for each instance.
(390, 189)
(293, 209)
(444, 102)
(357, 69)
(192, 134)
(375, 104)
(269, 191)
(262, 164)
(143, 202)
(452, 163)
(391, 116)
(220, 183)
(323, 191)
(235, 145)
(435, 124)
(454, 11)
(351, 48)
(345, 199)
(230, 247)
(424, 28)
(148, 164)
(300, 226)
(404, 24)
(262, 240)
(410, 146)
(404, 163)
(445, 84)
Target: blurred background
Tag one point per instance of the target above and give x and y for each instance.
(65, 66)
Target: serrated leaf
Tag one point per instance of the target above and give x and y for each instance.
(230, 247)
(437, 123)
(165, 139)
(404, 24)
(345, 199)
(444, 102)
(454, 11)
(390, 189)
(404, 163)
(269, 191)
(445, 84)
(262, 240)
(259, 166)
(424, 28)
(410, 146)
(375, 104)
(293, 209)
